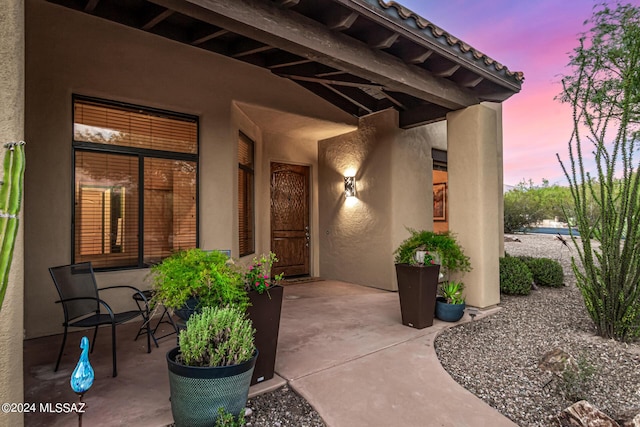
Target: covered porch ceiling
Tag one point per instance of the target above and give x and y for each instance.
(362, 56)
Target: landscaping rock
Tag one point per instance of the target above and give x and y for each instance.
(583, 414)
(630, 418)
(557, 361)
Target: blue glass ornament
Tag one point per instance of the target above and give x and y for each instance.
(82, 376)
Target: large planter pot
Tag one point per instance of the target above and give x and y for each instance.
(264, 312)
(198, 392)
(449, 312)
(187, 309)
(417, 287)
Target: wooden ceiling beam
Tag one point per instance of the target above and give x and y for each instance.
(358, 101)
(157, 19)
(91, 6)
(210, 36)
(381, 41)
(331, 82)
(340, 21)
(302, 36)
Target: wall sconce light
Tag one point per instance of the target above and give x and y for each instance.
(349, 186)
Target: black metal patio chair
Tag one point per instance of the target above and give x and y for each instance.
(84, 308)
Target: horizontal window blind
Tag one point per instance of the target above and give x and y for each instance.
(106, 209)
(105, 124)
(109, 228)
(245, 195)
(169, 207)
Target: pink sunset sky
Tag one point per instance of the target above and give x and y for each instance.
(534, 37)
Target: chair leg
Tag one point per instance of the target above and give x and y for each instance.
(113, 348)
(64, 340)
(95, 334)
(149, 333)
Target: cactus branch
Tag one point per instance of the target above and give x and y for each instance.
(10, 199)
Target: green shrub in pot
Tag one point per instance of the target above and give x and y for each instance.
(448, 252)
(210, 277)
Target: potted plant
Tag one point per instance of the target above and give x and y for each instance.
(191, 279)
(212, 367)
(418, 260)
(451, 304)
(265, 306)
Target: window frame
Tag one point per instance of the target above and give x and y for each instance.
(141, 154)
(250, 171)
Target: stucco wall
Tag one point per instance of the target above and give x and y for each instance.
(12, 129)
(475, 196)
(393, 179)
(69, 52)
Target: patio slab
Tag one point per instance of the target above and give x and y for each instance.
(341, 346)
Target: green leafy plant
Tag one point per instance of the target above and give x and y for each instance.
(604, 93)
(575, 382)
(545, 271)
(209, 276)
(217, 336)
(439, 246)
(258, 275)
(452, 292)
(225, 419)
(515, 277)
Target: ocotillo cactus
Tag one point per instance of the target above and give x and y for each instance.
(10, 199)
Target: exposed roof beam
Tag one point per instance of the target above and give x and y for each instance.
(331, 82)
(415, 54)
(288, 64)
(157, 19)
(363, 7)
(381, 41)
(287, 30)
(208, 37)
(242, 53)
(91, 6)
(393, 100)
(331, 96)
(359, 103)
(470, 82)
(446, 71)
(340, 21)
(287, 3)
(331, 73)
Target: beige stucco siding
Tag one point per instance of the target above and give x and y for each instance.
(12, 129)
(72, 53)
(393, 179)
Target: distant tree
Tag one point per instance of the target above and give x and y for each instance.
(604, 92)
(527, 204)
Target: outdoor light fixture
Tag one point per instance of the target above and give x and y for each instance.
(349, 186)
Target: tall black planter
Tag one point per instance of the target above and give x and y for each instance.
(417, 287)
(264, 312)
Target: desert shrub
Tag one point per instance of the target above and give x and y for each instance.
(545, 271)
(515, 276)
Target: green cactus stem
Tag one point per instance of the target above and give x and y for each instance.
(10, 199)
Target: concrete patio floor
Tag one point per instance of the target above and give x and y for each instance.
(341, 346)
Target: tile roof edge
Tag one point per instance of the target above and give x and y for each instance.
(422, 23)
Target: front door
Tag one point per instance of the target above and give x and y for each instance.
(290, 218)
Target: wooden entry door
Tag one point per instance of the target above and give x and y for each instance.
(290, 238)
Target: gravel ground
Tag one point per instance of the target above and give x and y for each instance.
(497, 358)
(282, 407)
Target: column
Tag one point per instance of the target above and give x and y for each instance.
(474, 145)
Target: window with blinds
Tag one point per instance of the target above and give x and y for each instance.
(245, 195)
(135, 173)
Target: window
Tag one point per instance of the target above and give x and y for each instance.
(135, 179)
(245, 195)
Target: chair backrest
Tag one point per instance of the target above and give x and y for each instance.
(76, 281)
